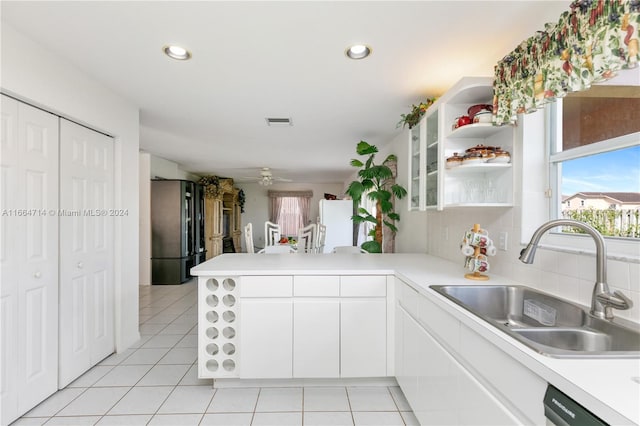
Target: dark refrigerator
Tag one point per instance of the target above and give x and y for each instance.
(176, 218)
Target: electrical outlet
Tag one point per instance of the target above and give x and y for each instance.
(502, 241)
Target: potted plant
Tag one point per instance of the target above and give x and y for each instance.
(373, 183)
(417, 111)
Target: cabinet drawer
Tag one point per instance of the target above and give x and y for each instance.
(439, 322)
(266, 286)
(363, 286)
(316, 285)
(409, 300)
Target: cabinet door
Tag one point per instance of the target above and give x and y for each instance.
(414, 186)
(448, 393)
(316, 338)
(408, 380)
(363, 338)
(29, 257)
(86, 251)
(266, 338)
(432, 189)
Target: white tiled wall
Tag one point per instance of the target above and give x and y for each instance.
(567, 275)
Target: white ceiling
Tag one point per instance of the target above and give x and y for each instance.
(253, 60)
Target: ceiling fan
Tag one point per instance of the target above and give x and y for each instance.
(266, 177)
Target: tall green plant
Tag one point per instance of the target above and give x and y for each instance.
(372, 182)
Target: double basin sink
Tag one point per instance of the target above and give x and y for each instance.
(547, 324)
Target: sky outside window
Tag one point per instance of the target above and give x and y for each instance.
(614, 171)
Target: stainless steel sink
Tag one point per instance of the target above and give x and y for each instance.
(547, 324)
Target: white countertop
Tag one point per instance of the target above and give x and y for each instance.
(604, 386)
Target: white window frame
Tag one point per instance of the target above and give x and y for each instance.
(625, 249)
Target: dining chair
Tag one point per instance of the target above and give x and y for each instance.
(271, 233)
(307, 239)
(278, 248)
(248, 238)
(348, 249)
(322, 234)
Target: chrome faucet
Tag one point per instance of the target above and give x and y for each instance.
(602, 301)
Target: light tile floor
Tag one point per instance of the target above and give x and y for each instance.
(155, 383)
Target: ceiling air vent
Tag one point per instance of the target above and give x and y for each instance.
(279, 122)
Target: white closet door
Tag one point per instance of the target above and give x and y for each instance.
(29, 257)
(86, 249)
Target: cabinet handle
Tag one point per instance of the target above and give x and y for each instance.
(37, 274)
(80, 265)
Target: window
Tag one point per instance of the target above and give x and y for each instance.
(290, 210)
(595, 159)
(290, 216)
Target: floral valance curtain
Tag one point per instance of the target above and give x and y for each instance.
(590, 43)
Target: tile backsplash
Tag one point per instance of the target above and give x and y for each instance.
(567, 275)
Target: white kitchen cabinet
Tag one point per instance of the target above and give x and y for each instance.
(363, 338)
(316, 326)
(265, 327)
(409, 358)
(424, 148)
(29, 257)
(266, 339)
(451, 375)
(439, 389)
(416, 154)
(363, 326)
(449, 394)
(316, 338)
(432, 158)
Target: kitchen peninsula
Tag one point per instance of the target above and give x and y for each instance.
(333, 317)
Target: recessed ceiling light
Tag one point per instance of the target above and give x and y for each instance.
(358, 51)
(176, 52)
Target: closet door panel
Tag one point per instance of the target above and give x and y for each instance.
(9, 261)
(30, 250)
(86, 255)
(38, 291)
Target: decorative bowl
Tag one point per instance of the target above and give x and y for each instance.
(483, 117)
(474, 109)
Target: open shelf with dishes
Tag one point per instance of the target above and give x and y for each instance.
(481, 174)
(476, 156)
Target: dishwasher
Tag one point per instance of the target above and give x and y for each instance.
(561, 410)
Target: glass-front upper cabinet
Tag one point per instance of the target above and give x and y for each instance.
(424, 161)
(432, 158)
(416, 176)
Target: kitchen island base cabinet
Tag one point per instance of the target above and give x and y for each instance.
(266, 339)
(293, 326)
(363, 338)
(316, 339)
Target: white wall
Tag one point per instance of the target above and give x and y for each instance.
(144, 257)
(167, 169)
(34, 75)
(257, 203)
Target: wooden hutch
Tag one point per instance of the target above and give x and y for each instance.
(222, 218)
